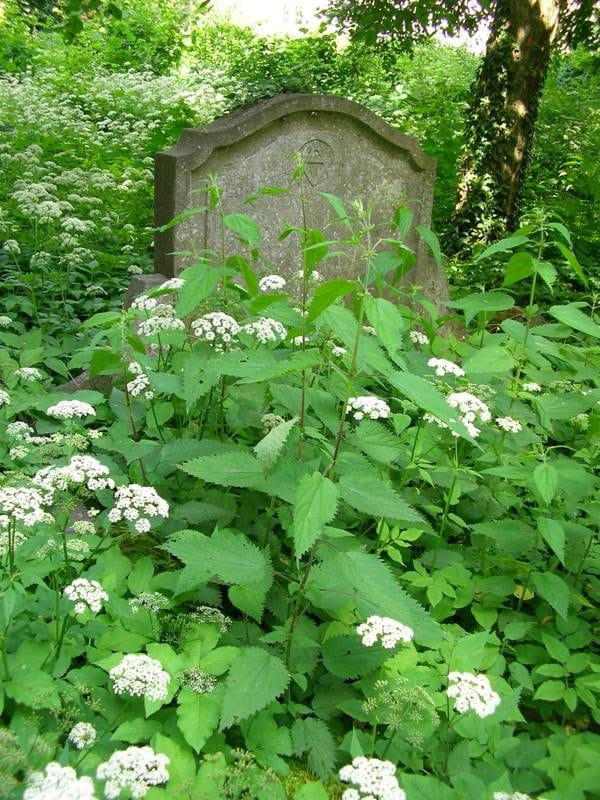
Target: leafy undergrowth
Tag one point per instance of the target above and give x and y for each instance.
(297, 534)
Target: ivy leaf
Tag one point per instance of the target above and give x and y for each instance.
(553, 590)
(255, 679)
(372, 496)
(198, 716)
(236, 468)
(314, 506)
(312, 736)
(268, 449)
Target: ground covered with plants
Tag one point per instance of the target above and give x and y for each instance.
(309, 539)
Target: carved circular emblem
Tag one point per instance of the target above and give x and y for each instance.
(317, 156)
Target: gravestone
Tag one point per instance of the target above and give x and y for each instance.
(347, 150)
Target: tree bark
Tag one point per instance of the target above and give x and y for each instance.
(501, 119)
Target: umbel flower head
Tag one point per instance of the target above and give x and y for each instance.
(271, 283)
(69, 409)
(86, 595)
(82, 735)
(443, 367)
(389, 631)
(374, 779)
(58, 783)
(217, 328)
(135, 769)
(472, 693)
(25, 504)
(138, 675)
(368, 406)
(138, 504)
(81, 470)
(266, 330)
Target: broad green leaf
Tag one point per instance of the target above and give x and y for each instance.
(554, 536)
(520, 266)
(432, 242)
(199, 283)
(546, 271)
(198, 715)
(572, 316)
(488, 302)
(105, 362)
(326, 294)
(545, 478)
(136, 730)
(313, 790)
(372, 496)
(338, 207)
(550, 690)
(492, 358)
(314, 249)
(468, 652)
(226, 469)
(190, 212)
(267, 741)
(182, 765)
(269, 448)
(572, 261)
(255, 679)
(347, 657)
(553, 590)
(237, 560)
(403, 219)
(244, 227)
(376, 441)
(426, 787)
(311, 735)
(315, 505)
(502, 246)
(557, 649)
(388, 322)
(426, 396)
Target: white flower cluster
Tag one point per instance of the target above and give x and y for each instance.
(198, 681)
(217, 328)
(213, 616)
(375, 779)
(472, 692)
(532, 387)
(298, 341)
(138, 675)
(24, 504)
(471, 408)
(4, 398)
(68, 409)
(509, 424)
(370, 330)
(78, 549)
(58, 783)
(270, 421)
(29, 374)
(81, 470)
(266, 330)
(368, 405)
(511, 796)
(337, 351)
(139, 385)
(11, 246)
(86, 594)
(153, 601)
(162, 318)
(443, 367)
(135, 769)
(83, 527)
(5, 322)
(417, 337)
(133, 269)
(386, 629)
(138, 504)
(82, 735)
(18, 453)
(19, 430)
(144, 303)
(172, 285)
(271, 283)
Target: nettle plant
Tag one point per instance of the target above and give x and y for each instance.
(310, 538)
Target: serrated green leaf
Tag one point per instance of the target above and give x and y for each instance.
(315, 505)
(312, 736)
(432, 242)
(347, 657)
(492, 358)
(488, 302)
(199, 283)
(328, 293)
(520, 266)
(227, 469)
(545, 478)
(244, 227)
(553, 590)
(372, 496)
(255, 679)
(502, 246)
(376, 441)
(554, 536)
(198, 715)
(268, 449)
(426, 396)
(387, 320)
(572, 316)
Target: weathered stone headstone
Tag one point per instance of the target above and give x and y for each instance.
(348, 151)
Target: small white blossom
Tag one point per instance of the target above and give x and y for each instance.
(81, 470)
(29, 374)
(198, 681)
(8, 541)
(135, 769)
(144, 303)
(86, 594)
(78, 549)
(443, 367)
(82, 735)
(58, 783)
(417, 337)
(4, 398)
(509, 424)
(162, 318)
(271, 283)
(386, 629)
(133, 269)
(68, 409)
(83, 527)
(271, 421)
(140, 384)
(368, 405)
(375, 779)
(5, 321)
(370, 330)
(18, 453)
(338, 351)
(153, 601)
(471, 408)
(266, 330)
(532, 387)
(216, 328)
(213, 616)
(24, 504)
(11, 246)
(19, 430)
(172, 285)
(298, 341)
(472, 692)
(138, 675)
(138, 504)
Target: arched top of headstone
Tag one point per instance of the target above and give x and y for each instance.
(196, 144)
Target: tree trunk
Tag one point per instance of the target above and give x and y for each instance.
(501, 119)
